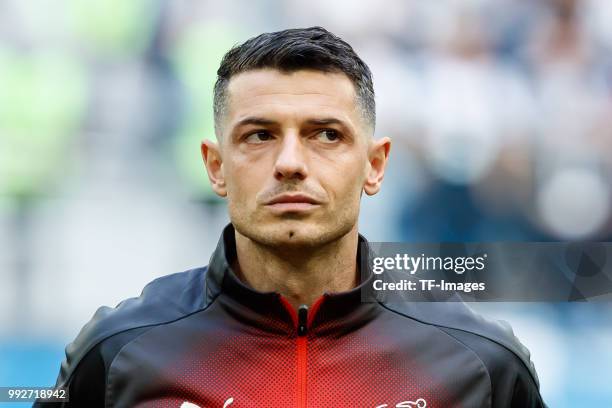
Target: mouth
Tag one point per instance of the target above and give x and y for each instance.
(292, 202)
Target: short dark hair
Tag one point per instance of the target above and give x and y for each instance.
(292, 50)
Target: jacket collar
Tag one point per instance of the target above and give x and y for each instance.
(335, 310)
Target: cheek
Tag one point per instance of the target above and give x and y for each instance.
(346, 184)
(243, 183)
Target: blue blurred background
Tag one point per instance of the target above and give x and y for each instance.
(500, 114)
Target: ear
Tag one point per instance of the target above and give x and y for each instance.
(378, 154)
(211, 153)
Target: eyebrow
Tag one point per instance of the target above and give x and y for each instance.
(325, 121)
(259, 121)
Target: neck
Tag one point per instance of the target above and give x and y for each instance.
(300, 275)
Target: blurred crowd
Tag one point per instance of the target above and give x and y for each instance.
(500, 114)
(503, 108)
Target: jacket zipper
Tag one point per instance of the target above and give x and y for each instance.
(302, 320)
(302, 354)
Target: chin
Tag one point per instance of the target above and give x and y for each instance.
(292, 234)
(287, 234)
(299, 234)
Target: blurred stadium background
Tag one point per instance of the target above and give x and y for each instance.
(500, 114)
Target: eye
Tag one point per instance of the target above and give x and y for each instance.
(258, 137)
(328, 136)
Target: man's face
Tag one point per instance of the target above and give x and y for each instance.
(293, 157)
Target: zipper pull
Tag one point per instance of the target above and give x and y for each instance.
(302, 320)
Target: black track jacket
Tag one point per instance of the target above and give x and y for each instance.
(202, 338)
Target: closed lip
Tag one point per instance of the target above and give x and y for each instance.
(292, 198)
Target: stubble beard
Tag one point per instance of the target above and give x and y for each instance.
(294, 233)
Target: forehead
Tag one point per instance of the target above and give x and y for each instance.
(299, 93)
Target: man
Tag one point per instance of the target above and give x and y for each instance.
(276, 319)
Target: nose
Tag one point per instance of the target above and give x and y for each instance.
(290, 162)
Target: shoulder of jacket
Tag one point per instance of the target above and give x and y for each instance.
(451, 316)
(162, 300)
